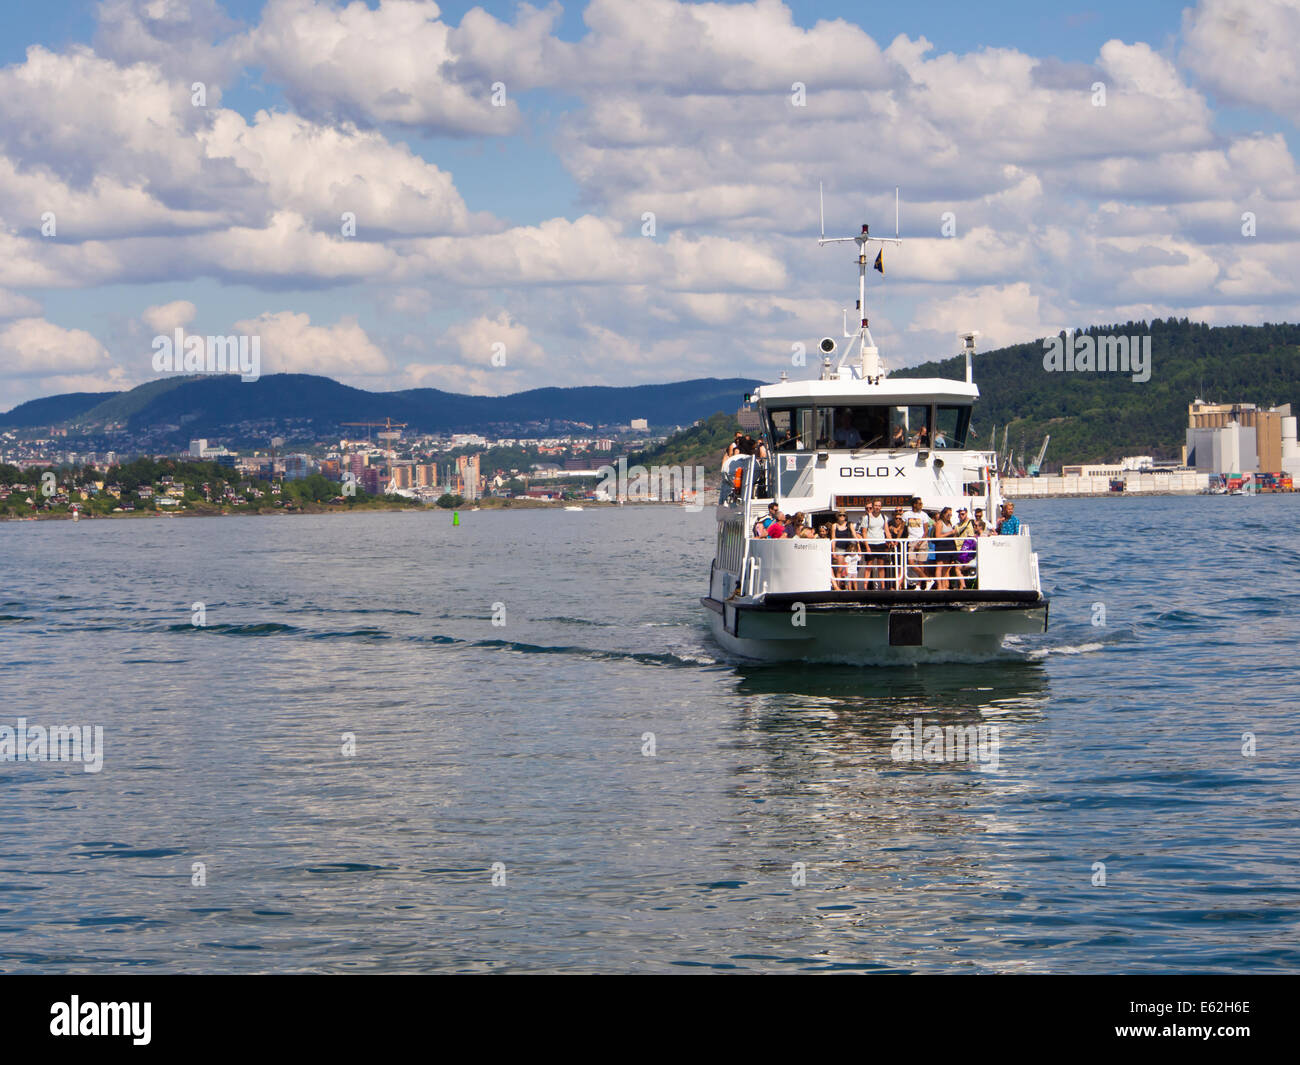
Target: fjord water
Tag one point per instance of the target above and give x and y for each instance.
(1120, 743)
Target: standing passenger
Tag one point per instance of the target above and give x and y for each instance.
(842, 537)
(875, 532)
(918, 548)
(945, 552)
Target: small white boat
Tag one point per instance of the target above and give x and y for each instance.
(838, 444)
(572, 508)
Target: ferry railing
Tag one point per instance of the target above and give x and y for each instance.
(748, 563)
(907, 564)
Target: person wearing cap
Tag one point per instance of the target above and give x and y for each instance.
(965, 525)
(763, 524)
(964, 530)
(917, 521)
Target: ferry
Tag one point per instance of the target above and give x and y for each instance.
(834, 445)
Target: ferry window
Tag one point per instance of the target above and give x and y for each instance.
(951, 426)
(792, 428)
(860, 427)
(873, 424)
(804, 425)
(782, 435)
(909, 426)
(824, 428)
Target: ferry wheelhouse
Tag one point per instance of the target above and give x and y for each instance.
(836, 445)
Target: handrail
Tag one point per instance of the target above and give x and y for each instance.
(746, 494)
(900, 569)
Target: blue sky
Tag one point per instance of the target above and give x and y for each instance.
(522, 225)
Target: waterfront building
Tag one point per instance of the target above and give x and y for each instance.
(1241, 438)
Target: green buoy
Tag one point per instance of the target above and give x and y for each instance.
(455, 517)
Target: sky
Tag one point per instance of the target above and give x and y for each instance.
(490, 198)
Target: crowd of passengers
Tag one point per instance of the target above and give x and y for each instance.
(938, 550)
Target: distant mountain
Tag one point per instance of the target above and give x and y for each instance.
(1091, 416)
(52, 410)
(222, 406)
(121, 407)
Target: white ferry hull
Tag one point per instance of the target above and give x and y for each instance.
(944, 631)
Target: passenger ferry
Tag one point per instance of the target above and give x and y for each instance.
(834, 445)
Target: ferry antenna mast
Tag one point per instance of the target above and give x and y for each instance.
(869, 353)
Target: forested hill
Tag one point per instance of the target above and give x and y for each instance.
(1090, 416)
(1099, 416)
(700, 445)
(223, 407)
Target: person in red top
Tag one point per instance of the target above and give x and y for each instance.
(777, 529)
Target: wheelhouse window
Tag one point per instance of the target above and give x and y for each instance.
(858, 427)
(792, 428)
(863, 427)
(951, 426)
(909, 427)
(824, 431)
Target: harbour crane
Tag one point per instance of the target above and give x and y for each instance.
(1037, 464)
(388, 425)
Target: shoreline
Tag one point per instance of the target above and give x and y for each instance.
(268, 512)
(534, 504)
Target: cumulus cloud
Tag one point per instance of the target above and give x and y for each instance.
(167, 317)
(33, 347)
(1244, 51)
(755, 47)
(16, 305)
(321, 172)
(1023, 203)
(189, 40)
(367, 65)
(481, 338)
(592, 250)
(1003, 314)
(492, 354)
(291, 344)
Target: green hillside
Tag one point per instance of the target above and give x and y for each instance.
(120, 407)
(52, 410)
(1090, 416)
(1102, 416)
(700, 445)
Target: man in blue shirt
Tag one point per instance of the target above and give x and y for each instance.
(1010, 524)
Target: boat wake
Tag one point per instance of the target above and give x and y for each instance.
(1037, 654)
